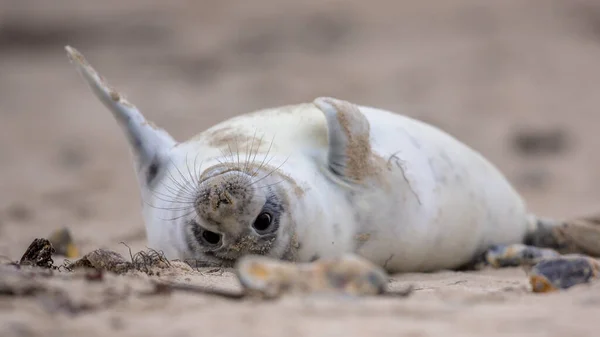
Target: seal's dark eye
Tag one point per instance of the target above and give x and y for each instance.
(262, 222)
(211, 238)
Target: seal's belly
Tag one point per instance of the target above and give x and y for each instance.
(459, 203)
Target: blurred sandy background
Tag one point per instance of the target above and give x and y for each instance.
(517, 80)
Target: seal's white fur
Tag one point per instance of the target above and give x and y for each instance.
(439, 204)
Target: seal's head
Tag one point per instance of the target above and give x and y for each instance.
(214, 216)
(238, 212)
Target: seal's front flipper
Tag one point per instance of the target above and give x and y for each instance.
(349, 154)
(150, 144)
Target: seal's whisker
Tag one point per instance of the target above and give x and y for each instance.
(147, 203)
(196, 178)
(185, 181)
(259, 192)
(237, 149)
(171, 198)
(179, 217)
(230, 151)
(172, 208)
(175, 182)
(249, 153)
(229, 163)
(169, 201)
(265, 158)
(237, 175)
(232, 161)
(197, 170)
(172, 201)
(185, 186)
(271, 172)
(177, 194)
(269, 185)
(257, 149)
(256, 172)
(185, 208)
(262, 190)
(219, 160)
(189, 172)
(224, 156)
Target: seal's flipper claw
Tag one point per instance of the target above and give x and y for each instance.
(349, 139)
(563, 272)
(516, 255)
(149, 143)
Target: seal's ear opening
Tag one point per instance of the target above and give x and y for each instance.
(149, 144)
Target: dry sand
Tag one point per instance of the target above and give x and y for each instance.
(483, 72)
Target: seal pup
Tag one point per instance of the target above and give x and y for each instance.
(322, 179)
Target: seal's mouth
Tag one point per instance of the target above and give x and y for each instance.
(210, 261)
(246, 245)
(218, 260)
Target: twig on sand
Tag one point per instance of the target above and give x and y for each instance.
(165, 287)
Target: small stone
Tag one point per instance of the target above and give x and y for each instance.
(39, 254)
(104, 260)
(563, 272)
(63, 244)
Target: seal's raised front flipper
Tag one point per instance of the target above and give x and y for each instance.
(150, 145)
(349, 154)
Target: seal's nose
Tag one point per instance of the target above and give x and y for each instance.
(224, 196)
(221, 199)
(220, 202)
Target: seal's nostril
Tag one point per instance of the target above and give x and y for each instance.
(211, 237)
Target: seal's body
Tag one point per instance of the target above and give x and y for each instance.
(430, 202)
(314, 180)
